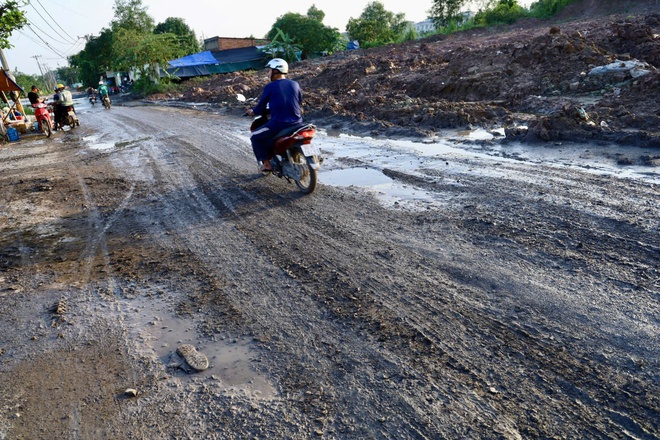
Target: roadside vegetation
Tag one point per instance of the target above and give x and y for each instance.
(133, 42)
(448, 18)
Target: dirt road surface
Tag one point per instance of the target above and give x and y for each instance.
(515, 298)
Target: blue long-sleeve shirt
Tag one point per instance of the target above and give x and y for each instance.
(284, 99)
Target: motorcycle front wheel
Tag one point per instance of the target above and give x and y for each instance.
(47, 129)
(309, 179)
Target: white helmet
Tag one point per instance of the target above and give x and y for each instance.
(279, 64)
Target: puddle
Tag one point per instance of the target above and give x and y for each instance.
(479, 134)
(353, 177)
(161, 332)
(390, 192)
(94, 144)
(448, 157)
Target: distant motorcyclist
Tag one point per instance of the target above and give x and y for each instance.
(62, 100)
(283, 98)
(103, 91)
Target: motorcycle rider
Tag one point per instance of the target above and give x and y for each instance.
(33, 96)
(103, 91)
(62, 100)
(91, 94)
(283, 98)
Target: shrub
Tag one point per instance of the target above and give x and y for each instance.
(502, 13)
(548, 8)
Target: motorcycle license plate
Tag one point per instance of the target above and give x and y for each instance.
(310, 150)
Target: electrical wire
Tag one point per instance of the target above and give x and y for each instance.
(58, 25)
(71, 40)
(46, 43)
(29, 23)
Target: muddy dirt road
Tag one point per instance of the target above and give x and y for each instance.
(516, 298)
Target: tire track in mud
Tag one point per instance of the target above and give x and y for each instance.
(99, 227)
(376, 308)
(417, 313)
(206, 166)
(498, 328)
(264, 319)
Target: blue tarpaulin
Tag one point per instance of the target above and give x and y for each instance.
(224, 61)
(196, 59)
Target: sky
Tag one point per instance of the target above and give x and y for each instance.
(58, 26)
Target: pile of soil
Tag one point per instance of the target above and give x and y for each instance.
(533, 78)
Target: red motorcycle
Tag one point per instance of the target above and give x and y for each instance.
(294, 156)
(44, 118)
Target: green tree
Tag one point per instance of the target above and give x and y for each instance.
(67, 75)
(136, 46)
(26, 81)
(308, 32)
(145, 53)
(11, 19)
(444, 11)
(376, 26)
(132, 15)
(186, 37)
(504, 12)
(282, 46)
(315, 13)
(548, 8)
(96, 58)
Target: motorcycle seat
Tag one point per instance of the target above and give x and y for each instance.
(294, 129)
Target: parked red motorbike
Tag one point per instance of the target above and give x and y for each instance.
(294, 156)
(44, 118)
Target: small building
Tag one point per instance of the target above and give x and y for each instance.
(425, 27)
(215, 44)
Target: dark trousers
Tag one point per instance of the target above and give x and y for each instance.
(263, 139)
(60, 112)
(262, 142)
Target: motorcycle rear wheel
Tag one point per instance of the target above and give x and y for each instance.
(71, 122)
(309, 179)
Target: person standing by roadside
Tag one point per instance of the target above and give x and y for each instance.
(33, 96)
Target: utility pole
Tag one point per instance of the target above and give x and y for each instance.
(36, 58)
(46, 76)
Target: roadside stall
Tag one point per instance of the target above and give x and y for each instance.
(8, 85)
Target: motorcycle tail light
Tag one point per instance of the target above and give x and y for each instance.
(308, 134)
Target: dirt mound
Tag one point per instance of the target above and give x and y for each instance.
(586, 9)
(533, 73)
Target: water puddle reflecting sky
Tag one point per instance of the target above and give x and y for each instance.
(352, 161)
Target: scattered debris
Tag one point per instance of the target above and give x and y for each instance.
(195, 359)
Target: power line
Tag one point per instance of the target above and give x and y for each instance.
(58, 25)
(45, 42)
(48, 23)
(45, 33)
